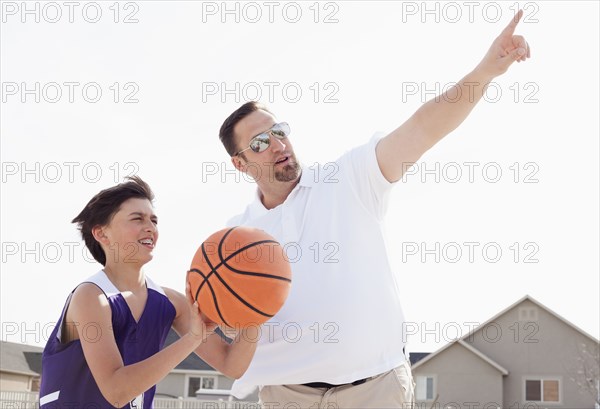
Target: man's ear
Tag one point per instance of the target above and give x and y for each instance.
(100, 235)
(238, 163)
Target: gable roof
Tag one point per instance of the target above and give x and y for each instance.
(484, 357)
(192, 361)
(34, 360)
(20, 358)
(539, 304)
(415, 357)
(25, 359)
(469, 348)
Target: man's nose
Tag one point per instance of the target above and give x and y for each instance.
(277, 144)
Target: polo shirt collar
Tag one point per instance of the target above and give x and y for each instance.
(306, 178)
(257, 209)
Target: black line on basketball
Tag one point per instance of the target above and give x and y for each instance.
(249, 246)
(235, 270)
(211, 291)
(195, 270)
(235, 253)
(217, 304)
(202, 274)
(224, 262)
(251, 273)
(246, 303)
(222, 240)
(213, 271)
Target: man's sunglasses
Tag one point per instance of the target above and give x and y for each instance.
(261, 142)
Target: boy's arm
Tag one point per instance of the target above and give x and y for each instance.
(89, 309)
(231, 360)
(441, 115)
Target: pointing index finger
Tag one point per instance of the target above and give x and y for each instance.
(510, 28)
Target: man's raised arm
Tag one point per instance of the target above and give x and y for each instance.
(441, 115)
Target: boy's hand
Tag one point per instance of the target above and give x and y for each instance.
(200, 326)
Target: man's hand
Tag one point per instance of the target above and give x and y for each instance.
(441, 115)
(506, 49)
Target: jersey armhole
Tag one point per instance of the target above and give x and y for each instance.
(63, 317)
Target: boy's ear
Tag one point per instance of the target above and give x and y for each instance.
(100, 235)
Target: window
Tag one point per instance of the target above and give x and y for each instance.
(542, 390)
(528, 314)
(425, 388)
(200, 382)
(35, 384)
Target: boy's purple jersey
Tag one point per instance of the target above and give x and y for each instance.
(67, 381)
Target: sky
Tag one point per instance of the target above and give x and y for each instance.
(504, 206)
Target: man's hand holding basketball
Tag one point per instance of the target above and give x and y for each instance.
(506, 49)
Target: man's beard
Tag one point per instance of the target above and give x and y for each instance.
(290, 172)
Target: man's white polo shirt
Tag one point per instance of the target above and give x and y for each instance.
(342, 320)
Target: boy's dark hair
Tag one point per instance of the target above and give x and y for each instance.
(226, 132)
(100, 210)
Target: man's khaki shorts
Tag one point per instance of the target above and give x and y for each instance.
(392, 389)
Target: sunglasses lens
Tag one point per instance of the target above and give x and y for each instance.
(260, 143)
(281, 131)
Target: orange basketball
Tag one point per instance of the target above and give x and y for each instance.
(240, 276)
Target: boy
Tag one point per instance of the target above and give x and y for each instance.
(106, 349)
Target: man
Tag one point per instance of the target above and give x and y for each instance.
(338, 341)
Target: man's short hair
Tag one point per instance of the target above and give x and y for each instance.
(101, 208)
(226, 132)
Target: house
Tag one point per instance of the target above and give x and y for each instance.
(194, 378)
(526, 356)
(20, 367)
